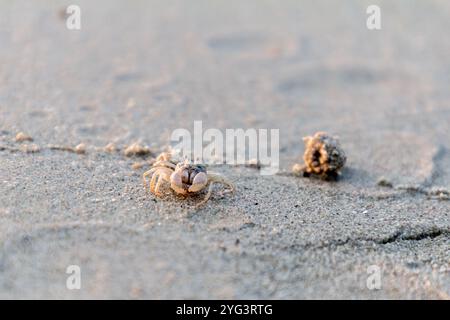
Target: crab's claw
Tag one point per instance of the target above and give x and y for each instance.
(199, 182)
(176, 182)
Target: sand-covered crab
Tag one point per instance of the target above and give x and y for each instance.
(183, 177)
(323, 156)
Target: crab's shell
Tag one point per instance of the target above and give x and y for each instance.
(188, 178)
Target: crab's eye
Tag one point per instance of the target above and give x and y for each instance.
(200, 168)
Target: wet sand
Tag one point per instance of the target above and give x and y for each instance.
(136, 72)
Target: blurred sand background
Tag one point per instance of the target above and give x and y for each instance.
(137, 70)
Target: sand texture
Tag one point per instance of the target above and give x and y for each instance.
(138, 70)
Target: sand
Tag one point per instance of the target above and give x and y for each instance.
(136, 72)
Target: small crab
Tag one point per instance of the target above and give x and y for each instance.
(323, 157)
(184, 178)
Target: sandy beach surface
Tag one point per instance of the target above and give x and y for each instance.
(137, 70)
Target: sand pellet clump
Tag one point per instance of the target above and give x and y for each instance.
(136, 150)
(323, 156)
(21, 137)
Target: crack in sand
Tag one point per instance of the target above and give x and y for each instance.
(427, 187)
(436, 169)
(400, 235)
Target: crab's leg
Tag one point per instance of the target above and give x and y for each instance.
(218, 178)
(164, 175)
(144, 177)
(158, 184)
(164, 163)
(153, 181)
(146, 174)
(215, 178)
(165, 156)
(208, 195)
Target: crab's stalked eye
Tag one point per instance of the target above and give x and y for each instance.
(200, 168)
